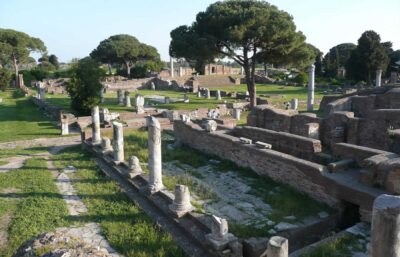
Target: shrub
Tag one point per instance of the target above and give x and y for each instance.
(5, 78)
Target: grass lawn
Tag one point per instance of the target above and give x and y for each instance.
(20, 119)
(30, 197)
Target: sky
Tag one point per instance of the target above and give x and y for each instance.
(73, 28)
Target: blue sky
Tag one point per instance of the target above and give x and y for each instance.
(73, 28)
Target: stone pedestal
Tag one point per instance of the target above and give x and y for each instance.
(278, 247)
(385, 231)
(118, 145)
(154, 149)
(294, 104)
(219, 238)
(218, 95)
(64, 125)
(127, 99)
(236, 113)
(210, 125)
(186, 98)
(310, 96)
(96, 137)
(207, 93)
(120, 97)
(378, 79)
(134, 167)
(106, 145)
(139, 104)
(181, 204)
(198, 94)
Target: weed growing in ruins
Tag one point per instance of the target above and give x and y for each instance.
(343, 246)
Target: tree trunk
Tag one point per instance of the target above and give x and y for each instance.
(251, 87)
(109, 68)
(16, 69)
(128, 70)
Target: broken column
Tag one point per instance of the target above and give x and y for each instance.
(181, 204)
(210, 125)
(218, 95)
(378, 78)
(134, 167)
(310, 97)
(154, 149)
(96, 137)
(294, 104)
(220, 236)
(171, 61)
(64, 125)
(236, 113)
(127, 99)
(278, 247)
(153, 86)
(385, 229)
(118, 145)
(120, 97)
(139, 103)
(106, 145)
(198, 94)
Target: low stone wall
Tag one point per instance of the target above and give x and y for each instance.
(355, 152)
(342, 104)
(302, 147)
(279, 166)
(305, 176)
(51, 110)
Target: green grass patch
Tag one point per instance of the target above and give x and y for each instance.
(4, 153)
(20, 119)
(34, 202)
(128, 229)
(3, 163)
(340, 247)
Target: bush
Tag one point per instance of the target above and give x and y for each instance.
(301, 78)
(5, 78)
(84, 87)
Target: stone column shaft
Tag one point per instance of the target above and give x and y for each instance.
(311, 78)
(385, 229)
(278, 247)
(118, 144)
(171, 60)
(96, 137)
(378, 78)
(154, 149)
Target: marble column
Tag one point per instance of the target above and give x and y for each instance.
(118, 144)
(154, 149)
(294, 104)
(236, 113)
(180, 71)
(218, 95)
(278, 247)
(378, 79)
(311, 78)
(139, 104)
(385, 228)
(134, 167)
(207, 93)
(171, 60)
(127, 99)
(120, 97)
(96, 137)
(64, 125)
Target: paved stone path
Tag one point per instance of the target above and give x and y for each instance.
(56, 141)
(13, 163)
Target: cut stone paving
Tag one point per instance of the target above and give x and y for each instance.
(233, 199)
(13, 163)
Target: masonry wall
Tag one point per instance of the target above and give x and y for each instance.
(299, 146)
